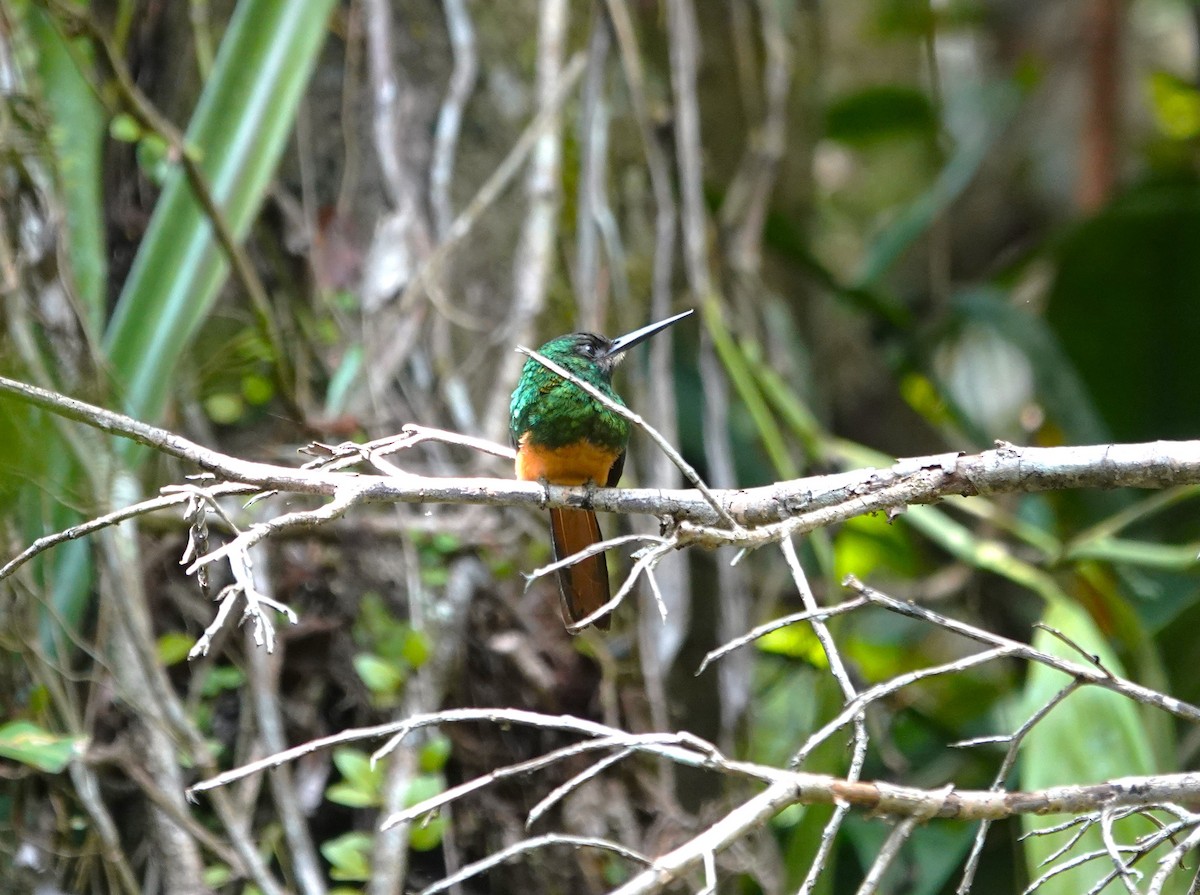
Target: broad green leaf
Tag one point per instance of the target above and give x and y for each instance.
(416, 648)
(29, 744)
(866, 543)
(1094, 735)
(78, 139)
(239, 128)
(1142, 244)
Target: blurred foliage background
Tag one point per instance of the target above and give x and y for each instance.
(911, 226)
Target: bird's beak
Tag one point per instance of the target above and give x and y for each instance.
(627, 341)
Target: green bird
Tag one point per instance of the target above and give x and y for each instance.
(564, 436)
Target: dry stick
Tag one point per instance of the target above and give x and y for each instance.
(1006, 765)
(891, 847)
(500, 178)
(710, 874)
(350, 453)
(590, 197)
(93, 525)
(808, 502)
(1084, 823)
(1129, 877)
(684, 58)
(703, 754)
(1171, 860)
(645, 563)
(785, 787)
(449, 122)
(1084, 674)
(564, 789)
(1145, 844)
(1077, 861)
(658, 646)
(628, 742)
(838, 670)
(264, 686)
(900, 681)
(622, 411)
(762, 630)
(592, 550)
(525, 845)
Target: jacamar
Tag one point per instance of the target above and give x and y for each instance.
(564, 436)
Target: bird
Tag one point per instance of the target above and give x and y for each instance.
(564, 436)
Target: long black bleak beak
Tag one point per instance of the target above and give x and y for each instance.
(627, 341)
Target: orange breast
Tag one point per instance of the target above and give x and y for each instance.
(575, 464)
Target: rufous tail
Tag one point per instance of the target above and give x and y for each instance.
(583, 586)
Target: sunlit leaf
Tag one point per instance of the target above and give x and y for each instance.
(29, 744)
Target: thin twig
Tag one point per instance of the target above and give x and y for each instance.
(449, 122)
(775, 624)
(891, 847)
(525, 845)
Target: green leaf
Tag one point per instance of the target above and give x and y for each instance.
(221, 678)
(866, 543)
(124, 129)
(416, 648)
(795, 641)
(380, 676)
(355, 767)
(29, 744)
(997, 104)
(434, 754)
(428, 835)
(361, 783)
(239, 128)
(154, 158)
(341, 383)
(349, 856)
(217, 875)
(225, 408)
(423, 786)
(880, 113)
(1176, 106)
(351, 796)
(78, 140)
(173, 647)
(257, 389)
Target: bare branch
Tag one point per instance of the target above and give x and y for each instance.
(526, 845)
(805, 504)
